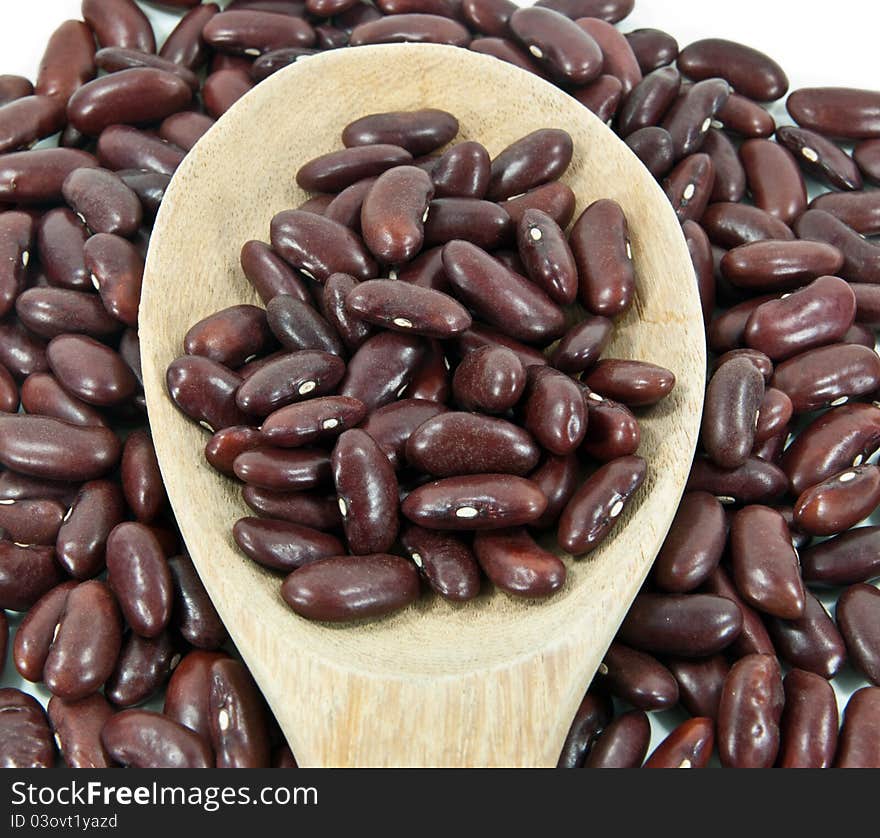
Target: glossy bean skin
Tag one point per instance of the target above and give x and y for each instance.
(765, 565)
(594, 509)
(690, 116)
(845, 559)
(602, 97)
(480, 335)
(80, 545)
(35, 634)
(410, 28)
(25, 738)
(773, 416)
(319, 247)
(515, 563)
(750, 72)
(568, 52)
(445, 561)
(254, 32)
(338, 170)
(314, 510)
(554, 410)
(811, 642)
(859, 742)
(125, 147)
(32, 521)
(489, 379)
(841, 112)
(546, 256)
(87, 643)
(223, 88)
(105, 203)
(844, 436)
(653, 48)
(730, 176)
(185, 129)
(26, 573)
(239, 729)
(582, 345)
(750, 712)
(141, 479)
(36, 176)
(775, 180)
(809, 722)
(9, 392)
(205, 391)
(475, 502)
(733, 399)
(483, 223)
(60, 239)
(184, 44)
(142, 668)
(858, 615)
(116, 59)
(700, 682)
(730, 225)
(194, 615)
(343, 588)
(821, 157)
(600, 244)
(230, 336)
(593, 714)
(16, 241)
(612, 430)
(49, 312)
(49, 448)
(638, 678)
(419, 132)
(21, 352)
(508, 51)
(282, 469)
(689, 186)
(694, 544)
(269, 273)
(462, 171)
(622, 744)
(499, 295)
(144, 739)
(753, 638)
(838, 502)
(117, 270)
(282, 545)
(76, 726)
(649, 101)
(619, 60)
(367, 489)
(634, 383)
(14, 87)
(28, 120)
(859, 210)
(554, 198)
(397, 354)
(119, 23)
(90, 370)
(653, 146)
(690, 745)
(779, 265)
(306, 422)
(347, 205)
(188, 692)
(686, 625)
(867, 157)
(68, 61)
(456, 443)
(531, 161)
(861, 258)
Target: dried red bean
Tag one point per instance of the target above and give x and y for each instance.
(637, 678)
(410, 28)
(858, 615)
(446, 562)
(76, 726)
(142, 668)
(690, 745)
(515, 563)
(419, 132)
(25, 738)
(612, 430)
(194, 615)
(700, 683)
(144, 739)
(239, 728)
(774, 178)
(593, 714)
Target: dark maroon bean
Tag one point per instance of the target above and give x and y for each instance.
(451, 444)
(558, 478)
(140, 578)
(730, 225)
(76, 726)
(148, 186)
(31, 521)
(596, 506)
(194, 615)
(750, 72)
(222, 449)
(582, 345)
(861, 258)
(702, 259)
(546, 256)
(271, 62)
(82, 538)
(345, 208)
(634, 383)
(68, 61)
(142, 668)
(861, 334)
(309, 421)
(60, 239)
(49, 312)
(124, 147)
(14, 87)
(475, 502)
(115, 59)
(637, 678)
(36, 176)
(508, 51)
(779, 265)
(231, 336)
(410, 28)
(223, 88)
(725, 332)
(419, 132)
(859, 743)
(353, 332)
(319, 247)
(119, 23)
(858, 615)
(86, 644)
(740, 115)
(837, 111)
(26, 121)
(693, 546)
(185, 129)
(366, 487)
(846, 559)
(344, 588)
(188, 693)
(282, 545)
(320, 512)
(489, 17)
(612, 430)
(504, 298)
(103, 201)
(730, 176)
(21, 353)
(269, 274)
(593, 714)
(479, 336)
(690, 116)
(612, 11)
(9, 395)
(653, 146)
(184, 44)
(462, 171)
(808, 729)
(531, 161)
(392, 425)
(687, 625)
(482, 223)
(252, 33)
(517, 565)
(25, 738)
(750, 712)
(753, 639)
(867, 304)
(554, 410)
(283, 469)
(490, 379)
(42, 394)
(16, 242)
(443, 8)
(239, 729)
(35, 634)
(652, 48)
(337, 170)
(859, 210)
(700, 683)
(602, 97)
(619, 60)
(773, 416)
(649, 101)
(446, 562)
(26, 573)
(689, 186)
(811, 642)
(144, 739)
(623, 743)
(91, 371)
(733, 399)
(820, 157)
(555, 198)
(775, 180)
(14, 486)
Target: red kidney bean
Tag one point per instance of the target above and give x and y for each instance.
(14, 486)
(553, 410)
(433, 382)
(861, 334)
(142, 668)
(253, 33)
(689, 186)
(185, 129)
(31, 521)
(634, 383)
(87, 642)
(546, 256)
(753, 639)
(701, 257)
(612, 430)
(462, 171)
(124, 147)
(582, 345)
(779, 265)
(49, 312)
(861, 258)
(595, 508)
(619, 60)
(115, 59)
(184, 44)
(188, 693)
(140, 578)
(483, 223)
(103, 201)
(343, 588)
(446, 562)
(508, 51)
(566, 50)
(846, 559)
(517, 565)
(21, 352)
(398, 355)
(345, 208)
(504, 298)
(867, 157)
(16, 241)
(26, 573)
(269, 274)
(649, 101)
(859, 743)
(282, 545)
(68, 61)
(774, 178)
(700, 683)
(338, 170)
(419, 132)
(693, 546)
(392, 425)
(367, 492)
(809, 722)
(36, 176)
(443, 8)
(531, 161)
(194, 615)
(773, 417)
(637, 678)
(14, 87)
(9, 395)
(230, 336)
(76, 726)
(489, 379)
(25, 738)
(859, 210)
(653, 48)
(42, 394)
(223, 88)
(410, 28)
(749, 713)
(148, 186)
(612, 11)
(858, 615)
(593, 714)
(554, 198)
(144, 739)
(839, 502)
(320, 512)
(765, 564)
(867, 305)
(96, 510)
(820, 157)
(479, 336)
(37, 631)
(811, 642)
(91, 371)
(490, 17)
(623, 743)
(690, 745)
(725, 332)
(730, 413)
(602, 97)
(653, 146)
(319, 247)
(60, 239)
(28, 120)
(740, 115)
(354, 332)
(239, 730)
(310, 421)
(690, 116)
(119, 23)
(840, 112)
(282, 469)
(730, 225)
(750, 72)
(730, 177)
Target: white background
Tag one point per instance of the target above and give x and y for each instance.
(817, 43)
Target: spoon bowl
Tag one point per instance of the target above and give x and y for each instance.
(494, 682)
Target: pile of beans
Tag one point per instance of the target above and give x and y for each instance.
(790, 290)
(426, 393)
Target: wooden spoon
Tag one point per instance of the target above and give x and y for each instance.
(495, 682)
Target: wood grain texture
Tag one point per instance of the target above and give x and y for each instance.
(495, 682)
